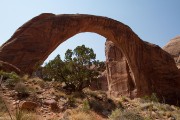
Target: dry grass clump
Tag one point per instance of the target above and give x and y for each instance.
(119, 114)
(39, 82)
(23, 115)
(2, 106)
(77, 114)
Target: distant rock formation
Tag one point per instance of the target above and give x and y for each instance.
(173, 48)
(150, 68)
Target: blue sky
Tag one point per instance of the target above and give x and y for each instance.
(155, 21)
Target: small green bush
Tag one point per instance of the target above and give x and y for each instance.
(96, 106)
(152, 98)
(11, 79)
(11, 83)
(71, 101)
(115, 114)
(7, 75)
(86, 105)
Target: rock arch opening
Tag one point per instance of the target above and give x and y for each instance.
(91, 40)
(153, 69)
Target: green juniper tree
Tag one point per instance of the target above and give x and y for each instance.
(77, 71)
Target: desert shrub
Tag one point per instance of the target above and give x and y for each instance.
(115, 114)
(11, 83)
(120, 105)
(19, 114)
(30, 116)
(24, 115)
(2, 105)
(77, 115)
(177, 115)
(124, 99)
(101, 95)
(25, 77)
(7, 75)
(21, 87)
(153, 97)
(86, 105)
(81, 116)
(11, 79)
(71, 101)
(146, 106)
(130, 115)
(96, 106)
(125, 115)
(22, 90)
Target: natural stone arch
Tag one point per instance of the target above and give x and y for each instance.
(34, 41)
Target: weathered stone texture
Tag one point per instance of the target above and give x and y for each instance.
(9, 67)
(173, 48)
(119, 76)
(101, 83)
(153, 69)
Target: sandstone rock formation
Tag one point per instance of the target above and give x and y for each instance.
(152, 69)
(119, 75)
(173, 48)
(9, 67)
(101, 83)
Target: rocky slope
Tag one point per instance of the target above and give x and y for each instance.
(48, 101)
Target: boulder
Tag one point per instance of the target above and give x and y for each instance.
(28, 105)
(53, 104)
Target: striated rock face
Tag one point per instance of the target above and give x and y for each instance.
(120, 78)
(9, 67)
(153, 69)
(173, 48)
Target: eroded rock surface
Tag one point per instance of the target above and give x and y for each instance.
(9, 67)
(153, 69)
(173, 48)
(28, 105)
(120, 78)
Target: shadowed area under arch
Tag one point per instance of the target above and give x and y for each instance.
(153, 69)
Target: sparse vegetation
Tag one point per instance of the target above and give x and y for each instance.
(6, 75)
(86, 106)
(115, 114)
(2, 106)
(153, 97)
(77, 114)
(22, 90)
(10, 79)
(77, 71)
